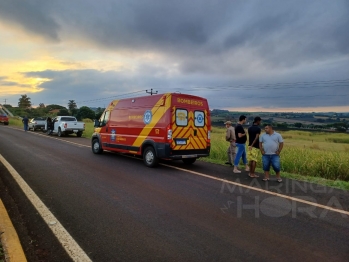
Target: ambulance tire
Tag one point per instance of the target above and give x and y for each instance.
(149, 157)
(96, 147)
(188, 161)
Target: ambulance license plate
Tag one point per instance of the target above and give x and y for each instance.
(189, 156)
(181, 142)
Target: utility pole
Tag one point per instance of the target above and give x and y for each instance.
(151, 92)
(5, 101)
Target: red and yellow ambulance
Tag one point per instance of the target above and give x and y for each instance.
(162, 126)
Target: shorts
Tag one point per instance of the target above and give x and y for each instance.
(253, 155)
(273, 160)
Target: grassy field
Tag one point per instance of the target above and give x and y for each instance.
(313, 156)
(319, 155)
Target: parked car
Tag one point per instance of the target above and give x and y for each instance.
(65, 125)
(4, 119)
(37, 123)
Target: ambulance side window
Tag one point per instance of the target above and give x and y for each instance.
(104, 119)
(181, 117)
(199, 118)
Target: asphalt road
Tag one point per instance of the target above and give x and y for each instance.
(119, 210)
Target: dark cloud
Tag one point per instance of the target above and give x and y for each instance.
(31, 16)
(212, 43)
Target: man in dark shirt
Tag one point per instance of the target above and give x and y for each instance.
(254, 132)
(25, 122)
(240, 145)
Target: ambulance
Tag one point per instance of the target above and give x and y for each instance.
(169, 126)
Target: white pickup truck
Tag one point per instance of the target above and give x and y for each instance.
(65, 125)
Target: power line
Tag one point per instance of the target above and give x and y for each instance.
(321, 95)
(121, 95)
(329, 83)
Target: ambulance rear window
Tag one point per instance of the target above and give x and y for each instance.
(181, 117)
(199, 118)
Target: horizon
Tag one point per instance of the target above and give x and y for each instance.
(250, 110)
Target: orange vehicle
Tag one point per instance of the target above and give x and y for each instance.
(162, 126)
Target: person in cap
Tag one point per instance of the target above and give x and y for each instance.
(240, 145)
(230, 137)
(254, 132)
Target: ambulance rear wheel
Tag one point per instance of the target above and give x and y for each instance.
(188, 161)
(96, 147)
(149, 157)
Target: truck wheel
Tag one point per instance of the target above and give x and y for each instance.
(79, 134)
(6, 123)
(96, 147)
(188, 161)
(149, 157)
(60, 133)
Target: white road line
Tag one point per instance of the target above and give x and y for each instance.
(50, 137)
(261, 190)
(73, 249)
(245, 186)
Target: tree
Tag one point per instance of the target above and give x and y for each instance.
(85, 112)
(42, 105)
(72, 105)
(298, 125)
(24, 102)
(99, 112)
(63, 112)
(53, 106)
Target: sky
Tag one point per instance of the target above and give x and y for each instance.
(242, 55)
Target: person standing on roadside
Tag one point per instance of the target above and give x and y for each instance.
(254, 132)
(49, 125)
(230, 137)
(25, 122)
(240, 144)
(271, 144)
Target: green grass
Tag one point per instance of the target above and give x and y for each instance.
(301, 156)
(306, 155)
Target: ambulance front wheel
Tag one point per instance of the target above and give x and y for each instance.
(188, 161)
(96, 147)
(149, 157)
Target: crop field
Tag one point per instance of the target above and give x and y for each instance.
(324, 155)
(309, 154)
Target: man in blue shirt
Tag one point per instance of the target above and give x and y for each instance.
(271, 144)
(25, 122)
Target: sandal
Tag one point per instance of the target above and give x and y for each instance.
(279, 180)
(265, 179)
(255, 176)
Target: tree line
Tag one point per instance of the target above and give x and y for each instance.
(25, 108)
